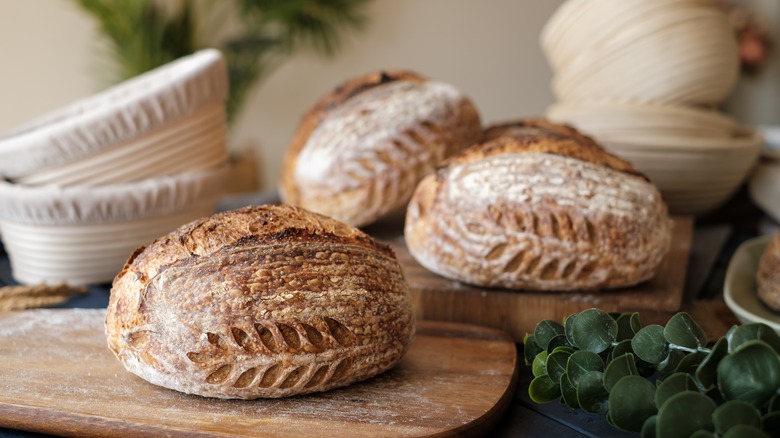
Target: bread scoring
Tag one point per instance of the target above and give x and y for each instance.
(538, 206)
(266, 301)
(360, 152)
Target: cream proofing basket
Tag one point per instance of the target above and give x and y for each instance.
(82, 235)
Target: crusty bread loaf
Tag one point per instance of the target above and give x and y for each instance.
(768, 274)
(360, 151)
(267, 301)
(538, 206)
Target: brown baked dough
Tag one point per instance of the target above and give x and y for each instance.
(360, 151)
(768, 275)
(538, 206)
(267, 301)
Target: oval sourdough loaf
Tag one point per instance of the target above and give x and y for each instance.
(360, 151)
(267, 301)
(768, 275)
(538, 206)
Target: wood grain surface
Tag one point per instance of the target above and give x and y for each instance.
(57, 376)
(517, 312)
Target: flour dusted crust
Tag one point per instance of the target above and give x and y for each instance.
(360, 152)
(768, 275)
(267, 301)
(538, 206)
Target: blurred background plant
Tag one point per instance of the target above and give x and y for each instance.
(255, 36)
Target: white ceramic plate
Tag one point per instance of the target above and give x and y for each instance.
(740, 286)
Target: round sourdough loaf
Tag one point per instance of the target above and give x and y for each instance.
(538, 206)
(267, 301)
(768, 274)
(360, 151)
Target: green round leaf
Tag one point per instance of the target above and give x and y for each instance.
(690, 362)
(557, 342)
(594, 330)
(543, 390)
(702, 434)
(636, 323)
(683, 330)
(631, 402)
(591, 394)
(625, 329)
(670, 363)
(564, 348)
(707, 370)
(568, 392)
(745, 431)
(622, 348)
(685, 413)
(582, 362)
(568, 324)
(539, 366)
(751, 374)
(530, 349)
(618, 368)
(648, 428)
(733, 413)
(649, 344)
(753, 331)
(545, 331)
(556, 364)
(672, 385)
(714, 394)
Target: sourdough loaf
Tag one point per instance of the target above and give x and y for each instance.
(267, 301)
(768, 274)
(538, 206)
(361, 150)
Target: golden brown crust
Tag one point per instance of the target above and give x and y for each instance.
(541, 208)
(768, 274)
(358, 154)
(539, 135)
(265, 301)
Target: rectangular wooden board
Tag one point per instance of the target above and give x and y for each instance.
(57, 376)
(517, 312)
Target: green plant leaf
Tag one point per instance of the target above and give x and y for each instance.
(582, 362)
(594, 330)
(530, 349)
(753, 331)
(649, 344)
(557, 342)
(702, 434)
(631, 402)
(556, 364)
(539, 366)
(774, 403)
(690, 362)
(591, 394)
(568, 392)
(568, 324)
(672, 385)
(751, 374)
(670, 363)
(543, 390)
(682, 330)
(625, 329)
(707, 370)
(564, 348)
(618, 368)
(621, 348)
(733, 413)
(545, 331)
(684, 413)
(648, 427)
(745, 431)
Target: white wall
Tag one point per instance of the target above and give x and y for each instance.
(487, 48)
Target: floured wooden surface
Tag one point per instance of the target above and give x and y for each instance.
(57, 376)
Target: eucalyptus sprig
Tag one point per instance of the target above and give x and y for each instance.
(662, 381)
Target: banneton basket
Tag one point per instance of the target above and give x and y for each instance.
(83, 235)
(163, 122)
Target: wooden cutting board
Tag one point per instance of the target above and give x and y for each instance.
(517, 312)
(58, 376)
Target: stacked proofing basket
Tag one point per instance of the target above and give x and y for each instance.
(645, 79)
(86, 185)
